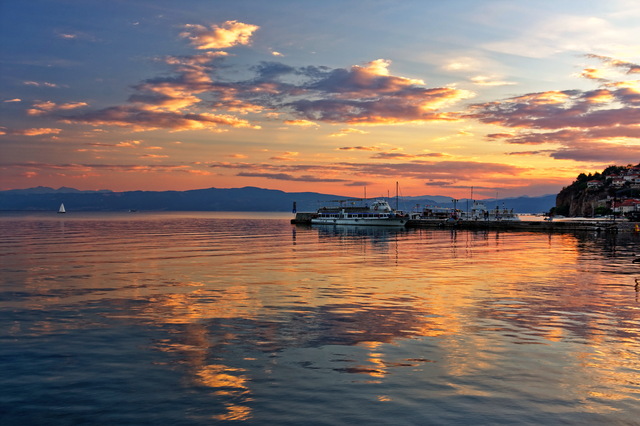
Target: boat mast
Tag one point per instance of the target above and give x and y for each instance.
(396, 195)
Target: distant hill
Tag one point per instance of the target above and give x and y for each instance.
(216, 199)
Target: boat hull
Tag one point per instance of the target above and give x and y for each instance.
(361, 221)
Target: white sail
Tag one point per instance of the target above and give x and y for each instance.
(61, 209)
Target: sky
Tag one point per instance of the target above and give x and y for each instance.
(457, 98)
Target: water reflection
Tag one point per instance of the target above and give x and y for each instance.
(260, 318)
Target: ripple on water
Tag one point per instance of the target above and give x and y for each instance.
(190, 318)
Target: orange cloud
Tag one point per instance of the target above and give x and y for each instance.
(628, 67)
(593, 74)
(301, 123)
(287, 156)
(97, 168)
(142, 120)
(128, 144)
(228, 34)
(34, 131)
(403, 156)
(46, 107)
(345, 132)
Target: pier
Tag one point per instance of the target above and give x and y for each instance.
(559, 225)
(528, 225)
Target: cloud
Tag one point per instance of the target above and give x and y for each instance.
(599, 152)
(288, 177)
(75, 35)
(349, 131)
(128, 144)
(301, 123)
(562, 33)
(287, 156)
(627, 67)
(585, 125)
(98, 168)
(359, 148)
(38, 131)
(202, 94)
(227, 34)
(141, 120)
(369, 94)
(48, 107)
(467, 171)
(403, 156)
(451, 174)
(13, 100)
(153, 156)
(483, 80)
(39, 84)
(526, 153)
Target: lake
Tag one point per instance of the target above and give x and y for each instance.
(204, 318)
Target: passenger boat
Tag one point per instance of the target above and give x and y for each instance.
(360, 212)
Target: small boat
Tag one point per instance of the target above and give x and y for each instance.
(61, 209)
(360, 212)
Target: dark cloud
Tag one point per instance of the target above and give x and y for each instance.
(285, 176)
(140, 119)
(365, 94)
(600, 125)
(417, 169)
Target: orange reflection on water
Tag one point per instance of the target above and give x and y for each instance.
(218, 376)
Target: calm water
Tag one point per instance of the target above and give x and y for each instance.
(201, 318)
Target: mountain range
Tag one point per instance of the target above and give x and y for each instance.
(218, 199)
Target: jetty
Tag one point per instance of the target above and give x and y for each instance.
(528, 225)
(558, 225)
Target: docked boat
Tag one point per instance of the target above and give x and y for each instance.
(480, 212)
(360, 212)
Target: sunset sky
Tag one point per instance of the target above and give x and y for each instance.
(508, 97)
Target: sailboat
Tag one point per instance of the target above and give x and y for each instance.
(61, 209)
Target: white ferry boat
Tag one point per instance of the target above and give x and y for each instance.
(378, 213)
